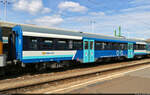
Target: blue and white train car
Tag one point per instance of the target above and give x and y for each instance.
(32, 44)
(140, 48)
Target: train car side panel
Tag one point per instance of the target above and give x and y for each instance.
(18, 42)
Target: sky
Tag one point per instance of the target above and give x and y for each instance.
(94, 16)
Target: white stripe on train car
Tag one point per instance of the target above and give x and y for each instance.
(25, 33)
(45, 54)
(140, 51)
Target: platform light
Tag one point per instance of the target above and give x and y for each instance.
(5, 3)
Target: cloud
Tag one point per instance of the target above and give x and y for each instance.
(97, 13)
(72, 6)
(46, 10)
(47, 20)
(139, 8)
(135, 23)
(139, 2)
(31, 6)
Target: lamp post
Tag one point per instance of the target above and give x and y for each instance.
(92, 24)
(5, 3)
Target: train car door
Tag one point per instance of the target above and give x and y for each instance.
(88, 51)
(91, 50)
(130, 50)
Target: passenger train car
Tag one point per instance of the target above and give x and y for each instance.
(32, 45)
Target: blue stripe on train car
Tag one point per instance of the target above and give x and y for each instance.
(58, 59)
(110, 53)
(79, 55)
(53, 56)
(140, 53)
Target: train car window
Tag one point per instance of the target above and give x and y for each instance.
(103, 45)
(86, 45)
(25, 43)
(137, 47)
(46, 44)
(98, 45)
(130, 47)
(91, 45)
(30, 43)
(126, 46)
(115, 46)
(33, 43)
(70, 44)
(106, 46)
(109, 46)
(62, 45)
(144, 47)
(77, 45)
(123, 46)
(140, 47)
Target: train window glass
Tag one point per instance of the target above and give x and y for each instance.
(70, 44)
(33, 43)
(103, 46)
(98, 45)
(137, 47)
(109, 46)
(141, 47)
(25, 43)
(126, 45)
(106, 46)
(122, 46)
(62, 45)
(86, 45)
(132, 47)
(115, 46)
(77, 45)
(129, 46)
(144, 47)
(91, 44)
(46, 44)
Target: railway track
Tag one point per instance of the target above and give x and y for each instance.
(42, 81)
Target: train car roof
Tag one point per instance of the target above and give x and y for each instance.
(47, 30)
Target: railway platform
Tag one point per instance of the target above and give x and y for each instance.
(137, 81)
